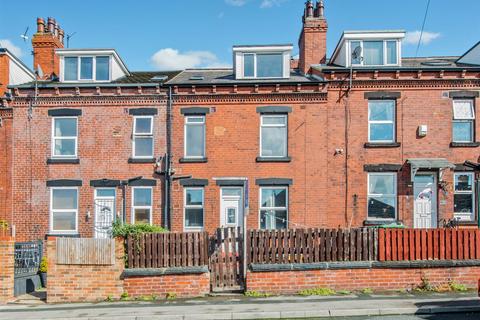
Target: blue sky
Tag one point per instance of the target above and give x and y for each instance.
(161, 34)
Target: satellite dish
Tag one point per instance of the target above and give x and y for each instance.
(357, 53)
(39, 71)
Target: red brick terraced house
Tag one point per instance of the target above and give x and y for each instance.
(364, 137)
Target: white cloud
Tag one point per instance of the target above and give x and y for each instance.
(172, 59)
(5, 43)
(412, 37)
(236, 3)
(270, 3)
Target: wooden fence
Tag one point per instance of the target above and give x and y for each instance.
(428, 244)
(311, 245)
(84, 251)
(162, 250)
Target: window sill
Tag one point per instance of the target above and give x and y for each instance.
(140, 160)
(382, 145)
(273, 159)
(63, 161)
(467, 223)
(193, 160)
(381, 222)
(464, 144)
(64, 235)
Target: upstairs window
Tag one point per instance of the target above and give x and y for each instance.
(463, 121)
(464, 199)
(375, 52)
(273, 136)
(263, 65)
(143, 137)
(194, 137)
(381, 121)
(86, 68)
(64, 137)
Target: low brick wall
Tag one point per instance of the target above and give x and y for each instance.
(181, 282)
(7, 263)
(357, 278)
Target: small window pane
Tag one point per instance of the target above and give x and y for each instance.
(64, 147)
(195, 119)
(142, 216)
(269, 65)
(463, 110)
(373, 53)
(231, 215)
(194, 217)
(272, 120)
(353, 46)
(106, 193)
(381, 184)
(143, 147)
(103, 68)
(463, 203)
(65, 127)
(381, 132)
(273, 219)
(274, 197)
(392, 52)
(194, 197)
(274, 141)
(234, 192)
(463, 182)
(64, 221)
(86, 68)
(381, 207)
(462, 131)
(64, 199)
(143, 125)
(71, 68)
(195, 143)
(381, 110)
(142, 197)
(248, 65)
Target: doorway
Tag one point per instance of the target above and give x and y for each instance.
(425, 201)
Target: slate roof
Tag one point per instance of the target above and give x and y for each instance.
(146, 77)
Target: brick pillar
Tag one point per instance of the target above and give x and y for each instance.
(7, 250)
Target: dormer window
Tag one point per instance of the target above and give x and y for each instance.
(86, 68)
(374, 52)
(262, 62)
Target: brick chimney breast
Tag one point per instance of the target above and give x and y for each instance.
(48, 38)
(313, 38)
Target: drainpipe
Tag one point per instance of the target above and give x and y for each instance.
(168, 171)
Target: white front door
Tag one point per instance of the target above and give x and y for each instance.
(425, 203)
(231, 208)
(104, 212)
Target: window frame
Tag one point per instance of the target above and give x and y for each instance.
(185, 207)
(393, 121)
(473, 214)
(472, 121)
(94, 60)
(52, 211)
(255, 67)
(133, 206)
(185, 142)
(94, 68)
(285, 116)
(385, 53)
(54, 138)
(142, 136)
(260, 208)
(375, 195)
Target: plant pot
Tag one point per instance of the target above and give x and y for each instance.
(43, 279)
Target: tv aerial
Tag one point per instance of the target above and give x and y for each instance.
(24, 35)
(68, 38)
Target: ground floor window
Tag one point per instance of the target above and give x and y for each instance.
(63, 210)
(193, 205)
(273, 207)
(382, 196)
(142, 205)
(464, 199)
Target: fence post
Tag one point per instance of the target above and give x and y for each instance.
(381, 244)
(7, 268)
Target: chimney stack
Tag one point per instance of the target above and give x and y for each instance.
(313, 38)
(48, 38)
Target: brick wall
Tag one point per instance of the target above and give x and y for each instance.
(6, 165)
(291, 282)
(4, 73)
(7, 249)
(187, 285)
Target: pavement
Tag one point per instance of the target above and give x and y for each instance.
(240, 307)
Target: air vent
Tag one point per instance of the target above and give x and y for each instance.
(197, 78)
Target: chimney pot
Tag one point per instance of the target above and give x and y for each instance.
(57, 27)
(51, 25)
(320, 9)
(40, 25)
(61, 35)
(309, 8)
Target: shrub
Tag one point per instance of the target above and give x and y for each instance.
(317, 292)
(366, 291)
(457, 287)
(171, 296)
(124, 230)
(43, 265)
(256, 294)
(124, 296)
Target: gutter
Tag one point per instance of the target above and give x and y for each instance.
(83, 85)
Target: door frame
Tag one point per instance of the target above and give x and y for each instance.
(434, 174)
(240, 213)
(96, 197)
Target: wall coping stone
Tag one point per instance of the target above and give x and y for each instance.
(164, 271)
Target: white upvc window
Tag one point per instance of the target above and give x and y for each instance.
(142, 205)
(464, 196)
(463, 125)
(194, 137)
(375, 52)
(381, 121)
(193, 204)
(263, 65)
(273, 136)
(86, 68)
(382, 196)
(273, 207)
(64, 210)
(64, 137)
(142, 142)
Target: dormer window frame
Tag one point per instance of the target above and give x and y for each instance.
(350, 49)
(255, 64)
(254, 52)
(79, 66)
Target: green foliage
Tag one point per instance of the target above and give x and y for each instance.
(124, 296)
(256, 294)
(171, 296)
(366, 291)
(344, 292)
(124, 230)
(317, 292)
(109, 299)
(457, 287)
(425, 286)
(43, 265)
(3, 225)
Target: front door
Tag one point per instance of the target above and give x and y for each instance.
(231, 209)
(104, 212)
(425, 203)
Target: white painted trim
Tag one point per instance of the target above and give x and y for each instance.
(185, 227)
(142, 136)
(273, 208)
(185, 125)
(393, 122)
(472, 193)
(262, 126)
(53, 138)
(133, 207)
(240, 211)
(51, 230)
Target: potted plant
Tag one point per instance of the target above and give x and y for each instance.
(43, 271)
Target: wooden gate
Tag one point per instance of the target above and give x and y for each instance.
(226, 260)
